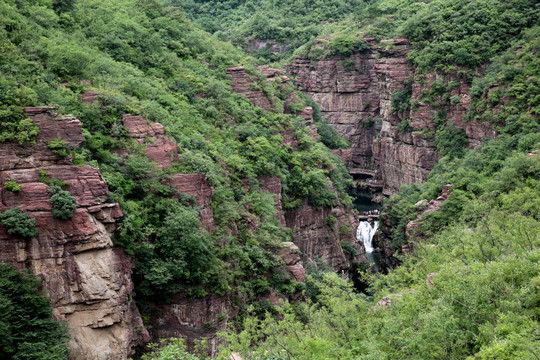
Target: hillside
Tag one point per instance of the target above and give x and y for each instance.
(164, 183)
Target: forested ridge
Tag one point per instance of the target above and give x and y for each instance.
(469, 289)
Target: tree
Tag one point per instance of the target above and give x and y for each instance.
(27, 328)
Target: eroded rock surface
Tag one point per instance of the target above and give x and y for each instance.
(355, 96)
(87, 279)
(159, 147)
(197, 186)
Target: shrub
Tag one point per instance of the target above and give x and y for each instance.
(27, 328)
(349, 249)
(21, 131)
(18, 223)
(47, 180)
(58, 147)
(12, 186)
(401, 100)
(63, 203)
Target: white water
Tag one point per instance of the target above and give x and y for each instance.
(365, 233)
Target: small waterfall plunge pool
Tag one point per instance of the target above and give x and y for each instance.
(367, 228)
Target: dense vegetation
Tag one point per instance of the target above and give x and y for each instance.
(470, 289)
(27, 328)
(146, 59)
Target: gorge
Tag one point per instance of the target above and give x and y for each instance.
(270, 180)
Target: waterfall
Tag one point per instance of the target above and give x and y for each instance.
(365, 233)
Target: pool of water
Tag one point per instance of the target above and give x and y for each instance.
(362, 200)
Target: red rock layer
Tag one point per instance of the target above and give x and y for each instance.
(87, 279)
(159, 148)
(355, 97)
(197, 186)
(317, 238)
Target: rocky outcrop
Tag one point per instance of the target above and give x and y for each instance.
(87, 279)
(159, 147)
(270, 45)
(192, 319)
(355, 96)
(246, 84)
(355, 93)
(424, 208)
(197, 186)
(293, 262)
(318, 233)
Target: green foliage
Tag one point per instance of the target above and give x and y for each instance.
(345, 46)
(168, 349)
(12, 186)
(27, 328)
(59, 147)
(466, 33)
(47, 180)
(287, 22)
(18, 223)
(16, 130)
(180, 254)
(401, 100)
(63, 203)
(451, 141)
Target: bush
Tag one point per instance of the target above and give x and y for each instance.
(18, 223)
(58, 147)
(15, 129)
(63, 203)
(12, 186)
(27, 328)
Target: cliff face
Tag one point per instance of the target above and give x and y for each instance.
(355, 96)
(87, 279)
(313, 231)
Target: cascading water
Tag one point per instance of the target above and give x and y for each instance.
(365, 232)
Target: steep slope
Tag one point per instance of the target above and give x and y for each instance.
(88, 279)
(203, 177)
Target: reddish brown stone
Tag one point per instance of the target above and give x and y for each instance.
(196, 185)
(159, 148)
(87, 279)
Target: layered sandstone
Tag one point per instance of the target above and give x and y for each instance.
(192, 319)
(354, 93)
(159, 148)
(355, 96)
(87, 279)
(197, 186)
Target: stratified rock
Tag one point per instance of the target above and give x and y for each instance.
(159, 147)
(291, 255)
(16, 156)
(192, 319)
(315, 237)
(354, 93)
(310, 230)
(87, 279)
(197, 186)
(273, 186)
(245, 84)
(355, 96)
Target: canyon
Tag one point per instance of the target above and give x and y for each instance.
(89, 279)
(355, 97)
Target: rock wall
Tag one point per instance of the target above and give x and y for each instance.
(87, 279)
(355, 96)
(354, 93)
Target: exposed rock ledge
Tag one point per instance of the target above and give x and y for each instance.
(87, 279)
